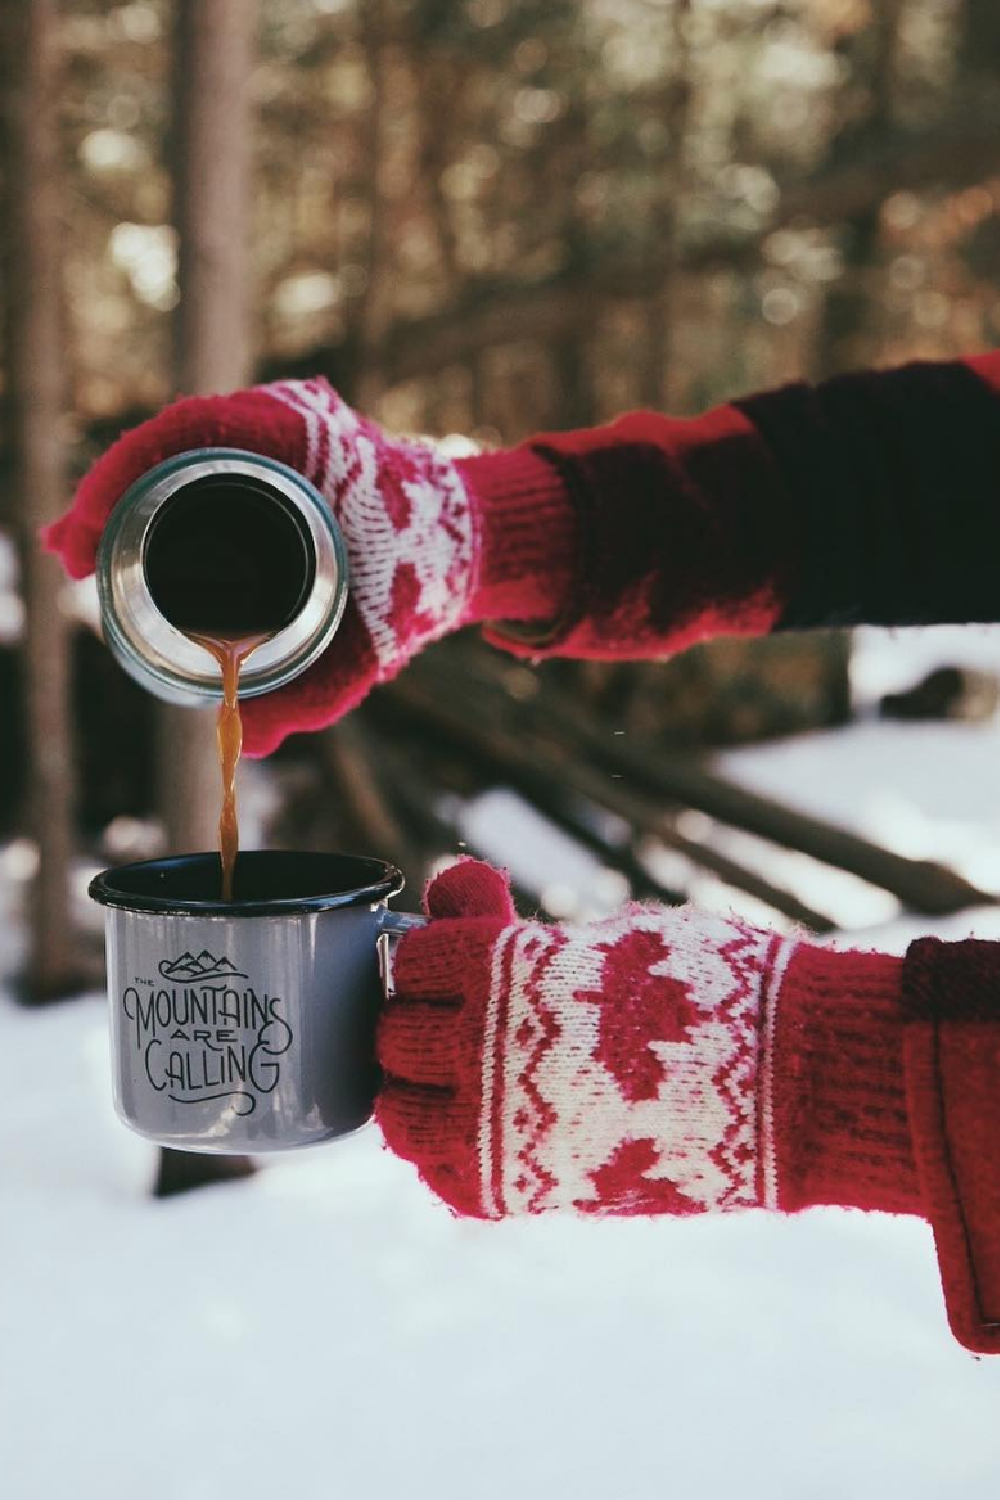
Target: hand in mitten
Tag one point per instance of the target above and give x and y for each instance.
(659, 1061)
(432, 544)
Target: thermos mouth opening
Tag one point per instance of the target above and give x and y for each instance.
(228, 556)
(268, 882)
(265, 552)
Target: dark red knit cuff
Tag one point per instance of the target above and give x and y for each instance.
(951, 994)
(685, 532)
(528, 540)
(838, 1096)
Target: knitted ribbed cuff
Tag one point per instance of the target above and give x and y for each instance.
(838, 1099)
(528, 554)
(951, 999)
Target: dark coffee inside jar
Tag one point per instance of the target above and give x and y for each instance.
(228, 557)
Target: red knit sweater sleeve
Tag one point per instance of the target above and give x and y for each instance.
(871, 498)
(884, 1093)
(951, 1049)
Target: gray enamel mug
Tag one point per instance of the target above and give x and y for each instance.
(249, 1025)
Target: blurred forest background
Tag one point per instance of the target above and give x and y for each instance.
(476, 217)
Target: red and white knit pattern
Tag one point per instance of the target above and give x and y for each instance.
(669, 1061)
(622, 1063)
(406, 519)
(415, 536)
(665, 1060)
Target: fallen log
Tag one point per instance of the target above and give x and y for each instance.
(415, 803)
(541, 781)
(544, 776)
(368, 823)
(923, 886)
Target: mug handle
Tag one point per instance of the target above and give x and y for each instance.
(392, 926)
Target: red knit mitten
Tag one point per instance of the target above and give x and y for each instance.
(426, 553)
(803, 506)
(659, 1061)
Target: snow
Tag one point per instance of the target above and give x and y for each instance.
(925, 790)
(327, 1326)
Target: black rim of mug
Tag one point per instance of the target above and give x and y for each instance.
(314, 881)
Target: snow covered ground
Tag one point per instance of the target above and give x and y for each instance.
(327, 1327)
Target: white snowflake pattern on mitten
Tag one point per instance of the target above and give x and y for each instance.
(406, 518)
(620, 1065)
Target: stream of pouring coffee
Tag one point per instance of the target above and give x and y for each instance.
(230, 655)
(227, 564)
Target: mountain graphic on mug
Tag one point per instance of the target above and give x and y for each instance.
(205, 966)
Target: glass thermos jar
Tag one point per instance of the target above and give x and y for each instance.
(219, 542)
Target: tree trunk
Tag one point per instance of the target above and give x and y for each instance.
(659, 309)
(979, 46)
(212, 62)
(846, 335)
(36, 354)
(370, 312)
